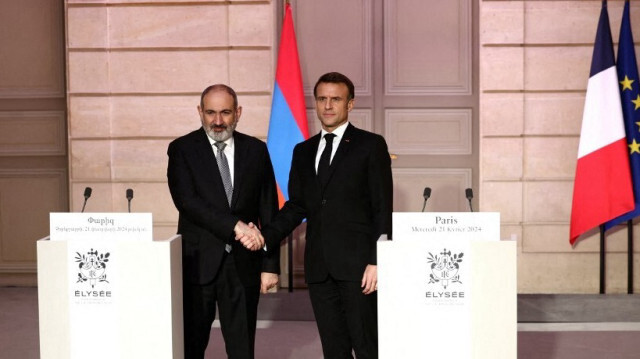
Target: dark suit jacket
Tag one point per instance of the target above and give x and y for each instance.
(348, 215)
(206, 221)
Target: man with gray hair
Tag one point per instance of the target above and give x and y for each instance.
(222, 184)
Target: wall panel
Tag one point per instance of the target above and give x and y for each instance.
(428, 34)
(31, 65)
(33, 139)
(429, 131)
(338, 36)
(32, 133)
(26, 198)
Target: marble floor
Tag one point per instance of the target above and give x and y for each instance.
(549, 327)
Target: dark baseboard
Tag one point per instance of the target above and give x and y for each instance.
(532, 308)
(576, 308)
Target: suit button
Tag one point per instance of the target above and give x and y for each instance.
(324, 201)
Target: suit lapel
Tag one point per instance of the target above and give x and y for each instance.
(205, 152)
(240, 163)
(314, 143)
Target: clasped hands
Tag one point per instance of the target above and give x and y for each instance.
(249, 235)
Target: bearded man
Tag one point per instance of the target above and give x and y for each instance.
(222, 184)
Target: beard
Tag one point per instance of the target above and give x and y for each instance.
(223, 135)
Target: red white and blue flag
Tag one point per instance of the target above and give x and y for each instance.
(288, 121)
(629, 86)
(602, 188)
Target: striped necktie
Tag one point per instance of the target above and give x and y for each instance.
(223, 166)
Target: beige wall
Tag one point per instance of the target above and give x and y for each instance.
(135, 72)
(534, 65)
(135, 68)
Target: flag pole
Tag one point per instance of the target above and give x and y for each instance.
(602, 250)
(288, 122)
(290, 236)
(629, 257)
(290, 261)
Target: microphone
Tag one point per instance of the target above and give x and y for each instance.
(129, 198)
(87, 194)
(469, 193)
(426, 194)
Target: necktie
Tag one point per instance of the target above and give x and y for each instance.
(223, 166)
(325, 158)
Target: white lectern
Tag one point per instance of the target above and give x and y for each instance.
(447, 288)
(107, 290)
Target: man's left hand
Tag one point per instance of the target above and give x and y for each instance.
(370, 279)
(267, 281)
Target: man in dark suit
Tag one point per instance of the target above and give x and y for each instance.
(220, 180)
(340, 181)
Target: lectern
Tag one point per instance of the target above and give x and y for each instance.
(447, 288)
(107, 290)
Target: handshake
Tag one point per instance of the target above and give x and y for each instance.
(249, 235)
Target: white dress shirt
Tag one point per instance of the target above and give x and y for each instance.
(339, 132)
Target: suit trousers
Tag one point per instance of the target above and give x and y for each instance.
(347, 319)
(237, 310)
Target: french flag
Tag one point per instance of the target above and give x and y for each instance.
(288, 121)
(602, 188)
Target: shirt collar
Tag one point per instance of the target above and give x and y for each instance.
(339, 131)
(229, 142)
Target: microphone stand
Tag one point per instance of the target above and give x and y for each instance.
(129, 194)
(87, 194)
(469, 193)
(426, 194)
